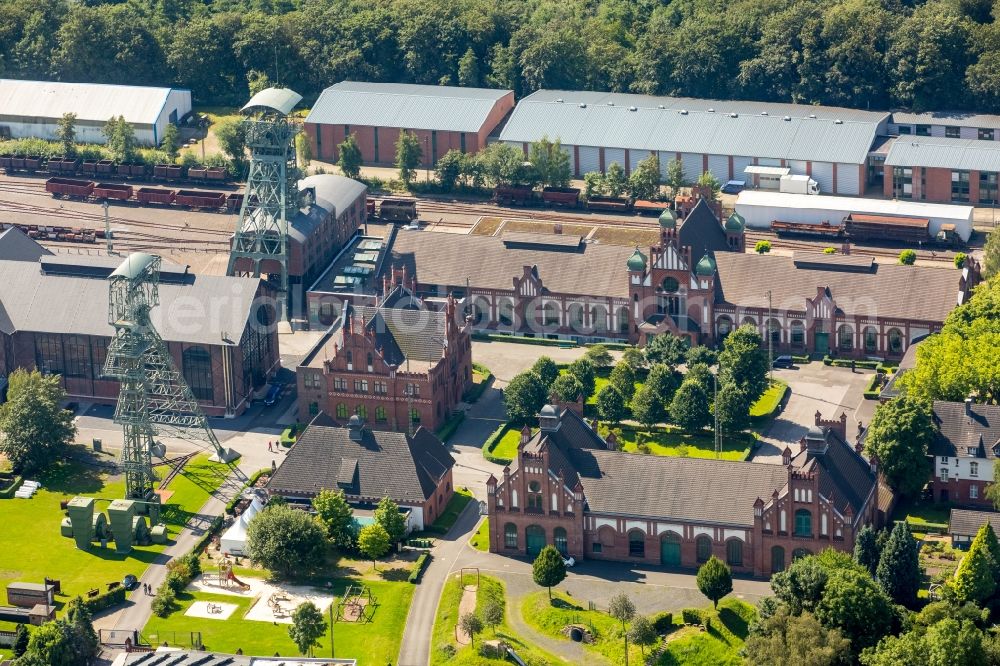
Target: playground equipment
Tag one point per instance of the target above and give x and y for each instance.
(357, 605)
(227, 577)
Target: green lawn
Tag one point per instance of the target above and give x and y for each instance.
(456, 505)
(719, 646)
(674, 442)
(31, 547)
(444, 648)
(769, 401)
(374, 643)
(481, 539)
(507, 446)
(924, 516)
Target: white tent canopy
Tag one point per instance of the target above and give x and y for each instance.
(767, 170)
(235, 538)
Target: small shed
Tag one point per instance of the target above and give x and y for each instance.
(29, 595)
(963, 524)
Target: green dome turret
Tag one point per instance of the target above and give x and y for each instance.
(668, 219)
(735, 223)
(705, 267)
(637, 262)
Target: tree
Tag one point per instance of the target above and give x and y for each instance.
(600, 356)
(36, 429)
(907, 257)
(762, 247)
(666, 349)
(993, 546)
(623, 378)
(689, 407)
(21, 638)
(710, 183)
(548, 569)
(468, 69)
(855, 604)
(502, 164)
(715, 580)
(899, 434)
(583, 370)
(257, 81)
(120, 135)
(785, 638)
(675, 176)
(898, 570)
(408, 155)
(471, 624)
(567, 388)
(493, 612)
(449, 168)
(169, 142)
(743, 362)
(701, 354)
(991, 254)
(350, 157)
(546, 369)
(303, 150)
(614, 179)
(866, 550)
(308, 626)
(664, 382)
(388, 516)
(593, 184)
(231, 135)
(611, 405)
(66, 133)
(642, 633)
(647, 407)
(524, 397)
(373, 542)
(959, 260)
(974, 578)
(337, 515)
(51, 644)
(634, 357)
(285, 540)
(644, 183)
(948, 642)
(622, 609)
(550, 162)
(801, 585)
(732, 406)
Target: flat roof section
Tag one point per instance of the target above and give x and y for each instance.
(944, 153)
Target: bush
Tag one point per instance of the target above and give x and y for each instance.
(691, 616)
(663, 622)
(762, 247)
(907, 257)
(960, 259)
(829, 250)
(873, 390)
(418, 570)
(491, 444)
(176, 581)
(165, 601)
(522, 340)
(106, 600)
(446, 431)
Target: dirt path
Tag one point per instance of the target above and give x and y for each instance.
(467, 605)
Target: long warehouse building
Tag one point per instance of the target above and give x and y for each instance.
(724, 137)
(34, 108)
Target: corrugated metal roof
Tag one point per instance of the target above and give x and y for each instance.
(941, 153)
(648, 127)
(89, 101)
(954, 118)
(854, 205)
(410, 106)
(281, 100)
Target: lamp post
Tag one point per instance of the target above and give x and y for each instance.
(770, 342)
(717, 441)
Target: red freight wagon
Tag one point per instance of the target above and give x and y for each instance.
(154, 195)
(113, 191)
(199, 199)
(561, 196)
(68, 187)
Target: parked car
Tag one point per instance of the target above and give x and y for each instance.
(569, 562)
(783, 362)
(130, 582)
(273, 394)
(734, 186)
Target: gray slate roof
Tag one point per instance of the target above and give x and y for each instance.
(964, 522)
(407, 469)
(198, 311)
(958, 432)
(845, 478)
(944, 153)
(16, 246)
(640, 122)
(702, 231)
(405, 105)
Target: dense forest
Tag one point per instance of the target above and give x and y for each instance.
(943, 54)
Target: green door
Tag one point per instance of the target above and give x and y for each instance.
(822, 343)
(670, 550)
(535, 538)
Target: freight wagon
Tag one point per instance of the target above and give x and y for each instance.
(70, 188)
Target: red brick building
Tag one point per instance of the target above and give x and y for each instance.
(943, 169)
(965, 448)
(572, 489)
(367, 465)
(443, 118)
(397, 364)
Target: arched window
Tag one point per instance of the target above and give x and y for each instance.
(380, 414)
(636, 544)
(599, 318)
(803, 523)
(349, 358)
(623, 320)
(871, 339)
(734, 552)
(370, 360)
(798, 333)
(506, 312)
(550, 314)
(535, 495)
(895, 341)
(197, 362)
(576, 317)
(777, 559)
(724, 326)
(671, 285)
(361, 411)
(703, 548)
(415, 416)
(341, 410)
(479, 310)
(513, 499)
(749, 321)
(559, 539)
(510, 535)
(774, 329)
(845, 338)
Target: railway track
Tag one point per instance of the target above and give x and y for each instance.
(541, 215)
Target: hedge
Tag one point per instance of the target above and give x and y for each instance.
(231, 506)
(801, 360)
(288, 434)
(663, 622)
(491, 442)
(446, 431)
(874, 388)
(878, 366)
(105, 600)
(8, 492)
(691, 616)
(418, 570)
(477, 390)
(617, 346)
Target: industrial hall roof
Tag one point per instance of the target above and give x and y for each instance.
(712, 127)
(405, 105)
(68, 294)
(886, 291)
(487, 262)
(365, 463)
(93, 102)
(943, 153)
(953, 118)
